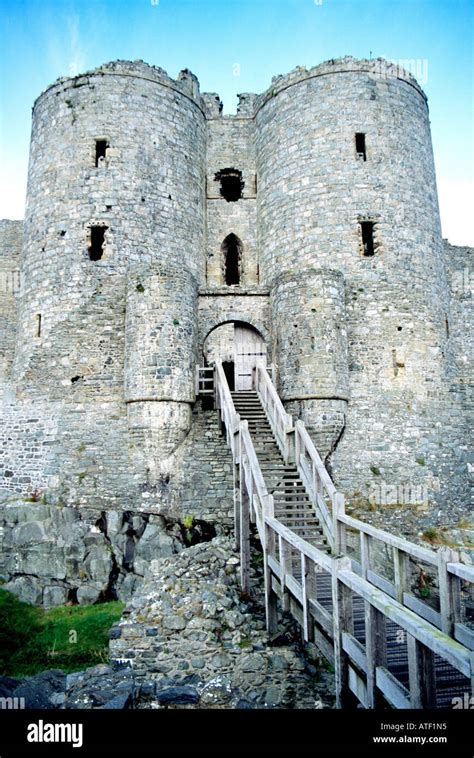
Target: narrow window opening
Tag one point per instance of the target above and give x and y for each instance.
(38, 325)
(367, 229)
(96, 248)
(231, 184)
(446, 325)
(360, 146)
(100, 151)
(232, 254)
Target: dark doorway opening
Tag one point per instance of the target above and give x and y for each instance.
(229, 371)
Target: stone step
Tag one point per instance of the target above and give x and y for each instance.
(292, 487)
(251, 410)
(277, 490)
(250, 405)
(281, 497)
(291, 502)
(313, 539)
(300, 521)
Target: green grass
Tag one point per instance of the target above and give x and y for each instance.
(33, 640)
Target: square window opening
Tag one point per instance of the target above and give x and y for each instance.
(231, 184)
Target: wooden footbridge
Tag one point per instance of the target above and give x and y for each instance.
(390, 615)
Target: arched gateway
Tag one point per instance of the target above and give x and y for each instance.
(240, 347)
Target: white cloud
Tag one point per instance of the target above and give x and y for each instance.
(77, 59)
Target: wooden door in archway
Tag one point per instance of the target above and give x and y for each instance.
(249, 349)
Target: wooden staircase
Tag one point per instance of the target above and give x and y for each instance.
(389, 647)
(292, 505)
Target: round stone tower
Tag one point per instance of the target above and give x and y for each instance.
(309, 319)
(115, 202)
(346, 182)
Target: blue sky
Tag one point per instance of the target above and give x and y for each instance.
(237, 46)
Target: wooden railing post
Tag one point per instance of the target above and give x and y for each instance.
(271, 609)
(216, 389)
(308, 586)
(290, 434)
(237, 469)
(375, 649)
(472, 673)
(338, 509)
(285, 568)
(449, 590)
(297, 442)
(237, 432)
(421, 674)
(400, 572)
(342, 622)
(244, 521)
(364, 553)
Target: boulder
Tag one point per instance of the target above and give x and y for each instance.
(54, 595)
(88, 594)
(38, 690)
(26, 589)
(177, 695)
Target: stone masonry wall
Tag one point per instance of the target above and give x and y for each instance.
(11, 241)
(231, 144)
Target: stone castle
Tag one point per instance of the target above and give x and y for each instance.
(160, 234)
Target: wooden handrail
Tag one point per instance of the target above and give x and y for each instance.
(410, 548)
(244, 456)
(280, 421)
(306, 443)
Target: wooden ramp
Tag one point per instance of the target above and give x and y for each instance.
(390, 615)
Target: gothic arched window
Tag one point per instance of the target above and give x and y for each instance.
(232, 259)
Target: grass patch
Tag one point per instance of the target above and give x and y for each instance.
(244, 643)
(66, 637)
(436, 536)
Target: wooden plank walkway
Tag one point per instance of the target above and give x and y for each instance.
(353, 592)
